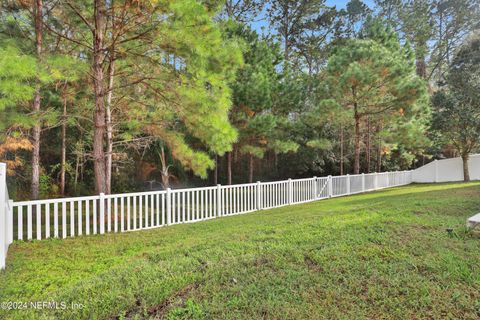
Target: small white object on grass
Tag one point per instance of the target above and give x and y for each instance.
(474, 221)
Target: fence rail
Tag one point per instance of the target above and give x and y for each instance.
(70, 217)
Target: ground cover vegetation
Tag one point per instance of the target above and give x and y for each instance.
(384, 254)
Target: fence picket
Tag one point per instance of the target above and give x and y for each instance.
(128, 213)
(38, 221)
(94, 216)
(20, 222)
(115, 214)
(122, 215)
(79, 208)
(87, 217)
(47, 220)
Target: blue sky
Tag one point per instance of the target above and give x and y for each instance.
(340, 4)
(343, 3)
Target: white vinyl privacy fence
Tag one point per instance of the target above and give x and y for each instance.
(447, 170)
(70, 217)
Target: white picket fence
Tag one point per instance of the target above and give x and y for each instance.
(70, 217)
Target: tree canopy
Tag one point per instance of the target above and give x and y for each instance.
(113, 96)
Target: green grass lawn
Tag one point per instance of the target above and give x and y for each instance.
(381, 255)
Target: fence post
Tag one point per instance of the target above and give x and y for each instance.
(219, 200)
(387, 178)
(329, 186)
(259, 195)
(290, 191)
(348, 184)
(315, 188)
(102, 213)
(435, 163)
(375, 181)
(3, 207)
(363, 182)
(169, 206)
(10, 221)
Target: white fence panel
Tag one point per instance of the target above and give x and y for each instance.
(70, 217)
(447, 170)
(322, 189)
(356, 183)
(303, 190)
(340, 185)
(370, 181)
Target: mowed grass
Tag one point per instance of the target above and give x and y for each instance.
(381, 255)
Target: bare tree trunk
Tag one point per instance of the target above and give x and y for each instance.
(77, 165)
(379, 149)
(275, 161)
(341, 151)
(421, 67)
(367, 147)
(165, 173)
(64, 143)
(99, 115)
(466, 172)
(82, 167)
(440, 37)
(235, 155)
(215, 172)
(286, 33)
(250, 168)
(109, 120)
(356, 163)
(379, 156)
(229, 168)
(108, 162)
(38, 11)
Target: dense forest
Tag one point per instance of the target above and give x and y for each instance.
(115, 96)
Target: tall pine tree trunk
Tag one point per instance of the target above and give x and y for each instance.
(250, 168)
(64, 143)
(356, 164)
(109, 119)
(421, 66)
(275, 163)
(229, 168)
(38, 11)
(215, 172)
(379, 149)
(109, 123)
(379, 157)
(466, 172)
(99, 115)
(286, 35)
(77, 169)
(367, 147)
(341, 150)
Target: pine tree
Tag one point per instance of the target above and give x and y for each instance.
(253, 111)
(17, 72)
(169, 81)
(457, 106)
(373, 76)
